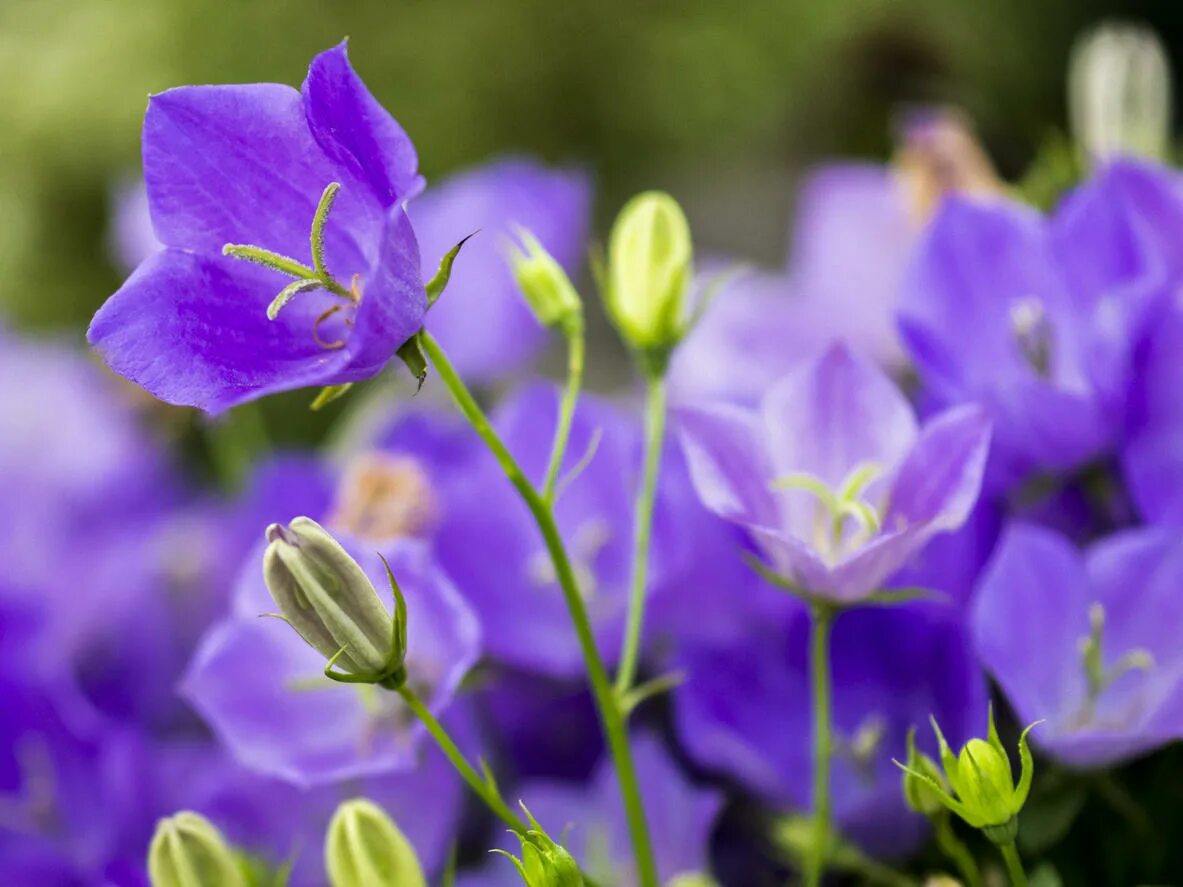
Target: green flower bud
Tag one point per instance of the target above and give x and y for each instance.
(918, 791)
(188, 851)
(327, 598)
(545, 284)
(1119, 91)
(363, 846)
(650, 264)
(692, 879)
(543, 862)
(980, 786)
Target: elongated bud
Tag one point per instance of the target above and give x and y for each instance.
(545, 284)
(188, 851)
(327, 598)
(918, 792)
(1119, 91)
(363, 846)
(544, 863)
(650, 265)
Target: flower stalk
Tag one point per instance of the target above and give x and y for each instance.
(822, 622)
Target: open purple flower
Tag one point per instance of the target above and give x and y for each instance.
(1088, 641)
(749, 715)
(484, 322)
(256, 191)
(262, 689)
(1039, 319)
(832, 478)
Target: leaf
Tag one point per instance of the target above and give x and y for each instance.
(328, 394)
(1048, 818)
(437, 284)
(411, 354)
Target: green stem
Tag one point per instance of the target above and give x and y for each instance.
(611, 716)
(655, 410)
(481, 786)
(822, 622)
(575, 350)
(1014, 866)
(955, 849)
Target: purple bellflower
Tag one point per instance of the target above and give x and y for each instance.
(261, 688)
(748, 716)
(591, 822)
(258, 191)
(484, 323)
(1057, 309)
(832, 478)
(1087, 641)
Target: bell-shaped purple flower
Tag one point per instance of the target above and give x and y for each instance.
(233, 172)
(1087, 641)
(1039, 320)
(484, 322)
(832, 477)
(749, 715)
(262, 689)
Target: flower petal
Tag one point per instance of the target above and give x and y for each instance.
(355, 131)
(193, 331)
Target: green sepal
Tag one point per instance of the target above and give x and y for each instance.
(888, 597)
(1026, 765)
(328, 394)
(411, 354)
(435, 286)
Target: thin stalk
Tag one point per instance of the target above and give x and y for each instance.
(655, 410)
(611, 717)
(955, 849)
(822, 620)
(478, 783)
(1014, 865)
(575, 351)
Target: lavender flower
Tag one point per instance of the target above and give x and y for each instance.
(832, 478)
(1088, 641)
(748, 716)
(245, 180)
(262, 689)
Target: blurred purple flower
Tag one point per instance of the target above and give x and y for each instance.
(1039, 603)
(1040, 319)
(590, 822)
(131, 238)
(261, 689)
(248, 165)
(832, 478)
(748, 715)
(483, 320)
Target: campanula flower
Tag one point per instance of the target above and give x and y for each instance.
(1087, 641)
(1057, 308)
(749, 715)
(257, 190)
(832, 478)
(484, 322)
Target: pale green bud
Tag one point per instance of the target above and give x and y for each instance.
(1119, 91)
(324, 594)
(363, 846)
(544, 283)
(650, 265)
(544, 863)
(692, 879)
(188, 851)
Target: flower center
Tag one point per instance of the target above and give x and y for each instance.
(1098, 678)
(383, 497)
(307, 279)
(1032, 333)
(843, 520)
(861, 749)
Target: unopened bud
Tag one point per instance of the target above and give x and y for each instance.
(918, 791)
(324, 594)
(650, 265)
(188, 851)
(544, 863)
(544, 283)
(363, 846)
(1119, 91)
(692, 879)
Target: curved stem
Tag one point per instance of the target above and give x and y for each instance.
(655, 408)
(484, 789)
(575, 350)
(1014, 865)
(611, 717)
(955, 849)
(822, 622)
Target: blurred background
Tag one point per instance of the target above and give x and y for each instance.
(723, 104)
